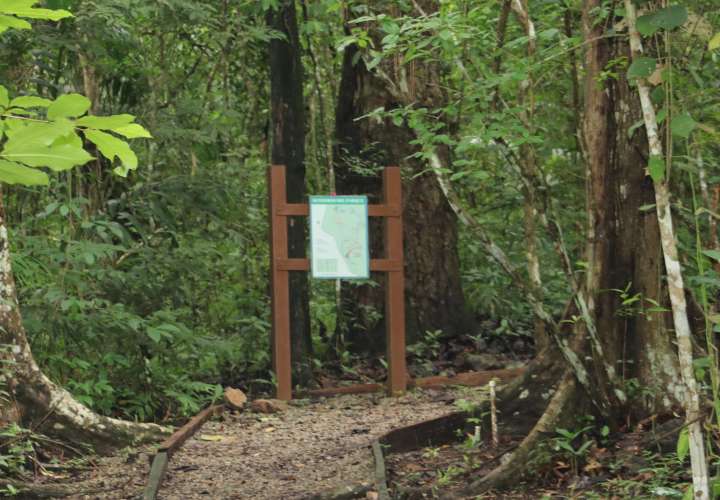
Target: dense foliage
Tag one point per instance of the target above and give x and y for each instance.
(142, 294)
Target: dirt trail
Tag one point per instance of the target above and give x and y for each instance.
(313, 448)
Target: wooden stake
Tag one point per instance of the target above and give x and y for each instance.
(280, 283)
(395, 286)
(493, 415)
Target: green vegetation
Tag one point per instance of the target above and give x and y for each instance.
(540, 207)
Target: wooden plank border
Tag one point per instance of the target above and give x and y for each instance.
(381, 483)
(167, 449)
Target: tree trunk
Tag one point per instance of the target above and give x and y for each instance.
(288, 148)
(624, 241)
(36, 401)
(434, 297)
(625, 267)
(676, 287)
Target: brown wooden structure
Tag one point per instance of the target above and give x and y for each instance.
(281, 265)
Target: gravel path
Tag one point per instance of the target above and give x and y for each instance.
(312, 448)
(307, 450)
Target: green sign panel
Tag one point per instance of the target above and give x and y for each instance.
(339, 246)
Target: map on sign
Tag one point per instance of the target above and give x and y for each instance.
(339, 246)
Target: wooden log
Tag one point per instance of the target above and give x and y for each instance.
(174, 442)
(157, 474)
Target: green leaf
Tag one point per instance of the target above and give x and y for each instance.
(13, 173)
(24, 8)
(713, 254)
(36, 134)
(683, 125)
(112, 147)
(642, 67)
(52, 145)
(635, 126)
(133, 131)
(105, 122)
(683, 444)
(8, 22)
(668, 18)
(68, 106)
(714, 42)
(4, 97)
(30, 101)
(656, 168)
(689, 493)
(56, 157)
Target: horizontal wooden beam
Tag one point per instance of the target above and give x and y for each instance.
(379, 265)
(303, 209)
(174, 442)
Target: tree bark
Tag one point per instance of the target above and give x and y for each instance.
(434, 297)
(624, 277)
(288, 148)
(676, 285)
(623, 246)
(35, 400)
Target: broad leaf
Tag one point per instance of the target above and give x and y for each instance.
(668, 18)
(68, 106)
(133, 131)
(714, 42)
(56, 157)
(30, 101)
(23, 134)
(713, 254)
(8, 22)
(112, 147)
(24, 8)
(656, 168)
(642, 67)
(105, 122)
(683, 444)
(4, 97)
(13, 173)
(683, 125)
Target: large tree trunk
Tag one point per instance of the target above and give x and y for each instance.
(434, 297)
(36, 401)
(624, 259)
(623, 240)
(288, 148)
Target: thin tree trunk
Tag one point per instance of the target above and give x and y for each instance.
(674, 276)
(528, 164)
(288, 148)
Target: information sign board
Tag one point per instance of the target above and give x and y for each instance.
(339, 247)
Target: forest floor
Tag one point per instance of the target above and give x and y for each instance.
(313, 448)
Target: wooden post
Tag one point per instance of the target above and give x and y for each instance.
(395, 285)
(280, 284)
(281, 265)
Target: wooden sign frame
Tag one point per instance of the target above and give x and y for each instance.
(281, 265)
